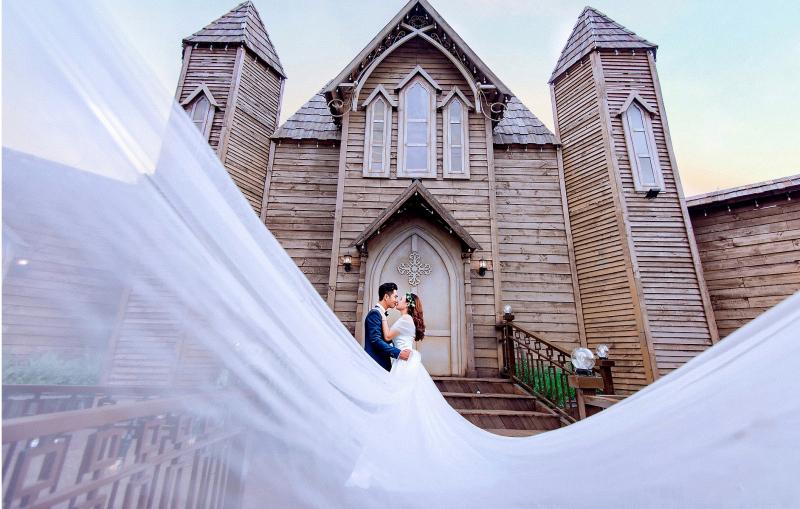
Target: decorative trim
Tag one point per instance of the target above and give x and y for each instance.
(576, 287)
(411, 75)
(333, 268)
(447, 171)
(379, 90)
(230, 106)
(431, 171)
(455, 92)
(634, 96)
(495, 236)
(202, 88)
(367, 170)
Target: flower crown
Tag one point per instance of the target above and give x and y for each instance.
(410, 299)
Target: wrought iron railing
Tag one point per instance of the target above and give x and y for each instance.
(540, 367)
(168, 452)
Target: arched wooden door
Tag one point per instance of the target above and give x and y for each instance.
(420, 262)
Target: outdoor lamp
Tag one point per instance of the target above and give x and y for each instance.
(348, 263)
(482, 267)
(583, 361)
(508, 313)
(602, 351)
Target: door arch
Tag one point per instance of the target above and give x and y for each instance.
(438, 279)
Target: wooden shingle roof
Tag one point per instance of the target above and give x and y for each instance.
(312, 121)
(521, 126)
(595, 30)
(242, 25)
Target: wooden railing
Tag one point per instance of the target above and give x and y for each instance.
(27, 400)
(541, 367)
(166, 452)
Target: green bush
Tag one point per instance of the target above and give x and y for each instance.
(52, 369)
(547, 382)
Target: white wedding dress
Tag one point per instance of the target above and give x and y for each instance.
(405, 338)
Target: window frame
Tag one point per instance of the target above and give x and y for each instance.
(387, 135)
(447, 170)
(190, 103)
(402, 115)
(633, 159)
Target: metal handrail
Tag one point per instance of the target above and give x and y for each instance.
(540, 367)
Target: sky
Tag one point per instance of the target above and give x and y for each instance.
(729, 71)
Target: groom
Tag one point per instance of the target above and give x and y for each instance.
(374, 342)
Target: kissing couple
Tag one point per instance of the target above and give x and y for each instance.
(387, 344)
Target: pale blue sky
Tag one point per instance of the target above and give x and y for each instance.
(730, 71)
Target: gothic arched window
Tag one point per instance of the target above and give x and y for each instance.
(642, 153)
(377, 137)
(417, 138)
(456, 140)
(200, 106)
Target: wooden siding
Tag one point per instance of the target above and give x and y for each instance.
(255, 118)
(213, 68)
(300, 204)
(609, 307)
(751, 256)
(534, 254)
(468, 200)
(672, 290)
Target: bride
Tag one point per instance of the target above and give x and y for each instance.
(408, 329)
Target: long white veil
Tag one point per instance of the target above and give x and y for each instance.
(119, 221)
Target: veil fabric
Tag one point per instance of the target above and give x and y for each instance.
(101, 164)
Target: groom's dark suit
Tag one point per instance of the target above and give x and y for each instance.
(374, 343)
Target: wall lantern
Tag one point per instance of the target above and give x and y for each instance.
(482, 267)
(652, 193)
(508, 313)
(348, 263)
(602, 351)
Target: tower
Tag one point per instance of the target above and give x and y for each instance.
(231, 85)
(639, 275)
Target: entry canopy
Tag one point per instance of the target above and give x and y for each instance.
(417, 197)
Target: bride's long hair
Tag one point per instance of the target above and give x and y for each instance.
(415, 310)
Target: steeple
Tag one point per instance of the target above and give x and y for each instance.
(241, 25)
(595, 30)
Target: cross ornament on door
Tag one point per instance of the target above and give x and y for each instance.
(414, 269)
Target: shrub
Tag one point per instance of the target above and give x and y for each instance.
(50, 368)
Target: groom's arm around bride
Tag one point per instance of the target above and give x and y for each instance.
(375, 344)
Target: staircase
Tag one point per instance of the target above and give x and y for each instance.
(497, 405)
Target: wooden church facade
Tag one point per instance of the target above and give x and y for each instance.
(418, 165)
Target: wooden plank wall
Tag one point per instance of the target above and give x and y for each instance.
(672, 290)
(609, 310)
(214, 68)
(751, 256)
(534, 253)
(255, 119)
(301, 203)
(49, 303)
(467, 200)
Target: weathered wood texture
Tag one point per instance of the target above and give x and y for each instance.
(671, 285)
(534, 254)
(213, 68)
(604, 274)
(48, 291)
(301, 203)
(254, 120)
(467, 200)
(751, 256)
